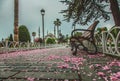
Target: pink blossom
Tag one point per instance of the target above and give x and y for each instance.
(74, 68)
(91, 66)
(64, 66)
(106, 68)
(105, 78)
(101, 74)
(76, 60)
(118, 74)
(53, 57)
(95, 56)
(94, 79)
(119, 64)
(30, 79)
(98, 65)
(114, 63)
(66, 59)
(113, 78)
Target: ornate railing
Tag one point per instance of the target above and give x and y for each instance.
(108, 42)
(6, 47)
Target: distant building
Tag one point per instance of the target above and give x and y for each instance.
(50, 35)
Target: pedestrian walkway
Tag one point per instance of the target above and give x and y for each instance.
(57, 64)
(38, 65)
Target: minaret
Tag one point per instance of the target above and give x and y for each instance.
(54, 31)
(47, 32)
(39, 32)
(16, 11)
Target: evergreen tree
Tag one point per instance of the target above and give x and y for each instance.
(50, 41)
(24, 35)
(11, 37)
(84, 11)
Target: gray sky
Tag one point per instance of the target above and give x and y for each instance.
(29, 15)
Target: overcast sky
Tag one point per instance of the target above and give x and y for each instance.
(29, 15)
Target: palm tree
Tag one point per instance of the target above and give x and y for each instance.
(33, 34)
(57, 23)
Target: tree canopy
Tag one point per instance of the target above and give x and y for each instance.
(57, 22)
(24, 35)
(84, 11)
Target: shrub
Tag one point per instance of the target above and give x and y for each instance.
(50, 41)
(24, 35)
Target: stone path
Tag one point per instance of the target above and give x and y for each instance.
(58, 64)
(38, 65)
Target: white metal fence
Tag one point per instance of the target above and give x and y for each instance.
(109, 41)
(6, 47)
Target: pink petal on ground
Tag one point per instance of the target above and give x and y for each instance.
(91, 66)
(98, 65)
(101, 74)
(118, 75)
(106, 68)
(30, 79)
(113, 78)
(94, 79)
(114, 63)
(65, 65)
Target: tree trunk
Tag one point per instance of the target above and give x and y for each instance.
(115, 11)
(16, 13)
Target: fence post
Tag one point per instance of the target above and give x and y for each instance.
(28, 45)
(104, 41)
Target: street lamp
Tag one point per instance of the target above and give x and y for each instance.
(43, 13)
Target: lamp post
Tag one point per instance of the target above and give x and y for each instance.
(43, 13)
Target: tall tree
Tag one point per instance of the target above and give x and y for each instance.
(57, 23)
(24, 35)
(115, 11)
(16, 11)
(83, 11)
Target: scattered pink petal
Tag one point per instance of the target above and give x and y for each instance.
(91, 66)
(106, 68)
(113, 78)
(94, 79)
(30, 79)
(101, 74)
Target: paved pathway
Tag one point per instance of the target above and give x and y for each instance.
(37, 65)
(57, 64)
